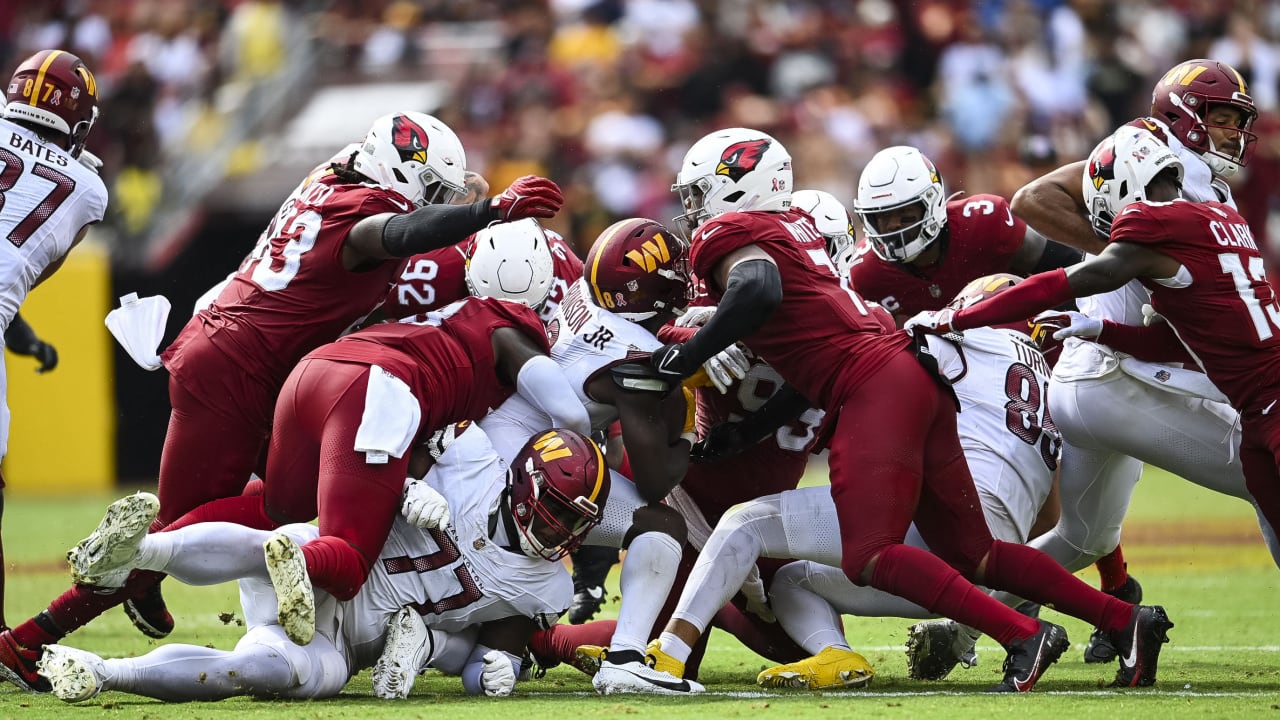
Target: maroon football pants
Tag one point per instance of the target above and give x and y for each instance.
(1260, 460)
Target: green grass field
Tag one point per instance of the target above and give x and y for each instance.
(1197, 553)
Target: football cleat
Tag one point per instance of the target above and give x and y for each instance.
(935, 647)
(408, 648)
(1027, 660)
(587, 658)
(18, 665)
(104, 559)
(149, 614)
(74, 675)
(834, 668)
(1100, 649)
(586, 603)
(655, 658)
(1138, 646)
(630, 672)
(296, 602)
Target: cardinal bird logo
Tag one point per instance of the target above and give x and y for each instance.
(1102, 165)
(741, 158)
(409, 139)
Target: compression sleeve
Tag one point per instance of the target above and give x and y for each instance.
(1036, 293)
(1155, 343)
(1056, 255)
(432, 227)
(752, 293)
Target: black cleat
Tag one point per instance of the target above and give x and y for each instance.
(1030, 609)
(149, 614)
(1138, 646)
(1027, 660)
(586, 603)
(1100, 649)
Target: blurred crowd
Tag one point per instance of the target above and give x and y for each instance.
(604, 96)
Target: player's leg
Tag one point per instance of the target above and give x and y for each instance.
(591, 566)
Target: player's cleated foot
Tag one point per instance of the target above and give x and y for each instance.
(149, 614)
(1028, 608)
(587, 658)
(104, 559)
(1138, 646)
(406, 652)
(586, 603)
(655, 658)
(1027, 660)
(18, 665)
(74, 675)
(935, 647)
(296, 602)
(1100, 649)
(629, 672)
(832, 669)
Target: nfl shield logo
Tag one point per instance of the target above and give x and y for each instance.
(1163, 375)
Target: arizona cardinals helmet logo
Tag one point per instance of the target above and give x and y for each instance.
(1102, 165)
(741, 158)
(409, 139)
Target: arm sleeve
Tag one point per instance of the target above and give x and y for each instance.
(1036, 293)
(752, 293)
(1155, 343)
(669, 333)
(435, 226)
(475, 666)
(541, 383)
(1056, 255)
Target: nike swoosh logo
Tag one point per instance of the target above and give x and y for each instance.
(707, 233)
(1131, 661)
(1267, 409)
(1009, 222)
(402, 205)
(681, 686)
(1026, 683)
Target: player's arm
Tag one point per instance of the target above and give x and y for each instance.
(52, 267)
(21, 339)
(752, 292)
(730, 438)
(1154, 343)
(538, 379)
(495, 661)
(1054, 205)
(1039, 254)
(652, 419)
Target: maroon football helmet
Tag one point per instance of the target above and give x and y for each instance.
(54, 89)
(1183, 100)
(637, 268)
(985, 287)
(558, 485)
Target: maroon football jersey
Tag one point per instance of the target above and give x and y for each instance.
(446, 356)
(1228, 316)
(292, 294)
(981, 238)
(821, 338)
(432, 280)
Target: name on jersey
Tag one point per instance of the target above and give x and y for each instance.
(1032, 357)
(574, 309)
(37, 150)
(1232, 234)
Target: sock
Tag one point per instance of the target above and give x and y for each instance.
(647, 575)
(675, 647)
(335, 566)
(68, 612)
(924, 579)
(558, 642)
(1113, 570)
(1031, 574)
(247, 510)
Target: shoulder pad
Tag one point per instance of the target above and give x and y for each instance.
(639, 376)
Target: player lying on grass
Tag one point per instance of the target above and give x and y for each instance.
(483, 575)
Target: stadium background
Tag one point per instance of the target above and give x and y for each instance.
(212, 110)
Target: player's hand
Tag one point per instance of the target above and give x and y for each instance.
(423, 507)
(696, 316)
(46, 354)
(529, 196)
(1150, 316)
(1069, 324)
(477, 188)
(670, 363)
(441, 439)
(89, 160)
(726, 366)
(722, 441)
(930, 322)
(498, 678)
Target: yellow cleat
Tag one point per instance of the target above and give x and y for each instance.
(832, 669)
(660, 661)
(587, 658)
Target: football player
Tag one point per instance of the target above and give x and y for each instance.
(480, 578)
(49, 196)
(323, 263)
(895, 455)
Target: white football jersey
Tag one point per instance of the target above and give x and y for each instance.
(1001, 380)
(585, 341)
(456, 576)
(46, 197)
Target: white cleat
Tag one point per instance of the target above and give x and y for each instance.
(409, 646)
(105, 558)
(295, 600)
(74, 675)
(625, 672)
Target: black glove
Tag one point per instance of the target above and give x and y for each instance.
(671, 364)
(22, 340)
(722, 441)
(46, 354)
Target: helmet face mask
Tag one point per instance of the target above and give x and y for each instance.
(732, 170)
(895, 180)
(558, 486)
(415, 155)
(1190, 99)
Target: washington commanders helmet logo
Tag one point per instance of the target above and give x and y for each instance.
(741, 158)
(409, 139)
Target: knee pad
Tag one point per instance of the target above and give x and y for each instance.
(656, 518)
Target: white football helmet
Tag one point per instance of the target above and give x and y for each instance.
(511, 261)
(416, 155)
(732, 170)
(1118, 172)
(895, 178)
(831, 217)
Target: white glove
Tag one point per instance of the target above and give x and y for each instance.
(726, 366)
(441, 439)
(933, 322)
(498, 678)
(89, 160)
(696, 316)
(423, 506)
(1070, 324)
(1150, 316)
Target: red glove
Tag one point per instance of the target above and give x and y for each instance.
(529, 196)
